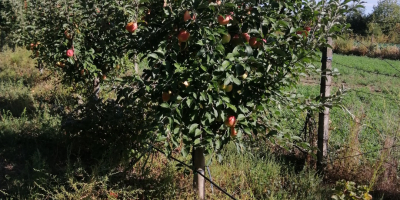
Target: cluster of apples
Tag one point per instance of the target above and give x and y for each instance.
(231, 122)
(236, 40)
(33, 46)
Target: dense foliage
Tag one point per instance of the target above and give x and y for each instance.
(218, 70)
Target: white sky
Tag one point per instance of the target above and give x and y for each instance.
(369, 5)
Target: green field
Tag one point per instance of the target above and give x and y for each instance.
(38, 160)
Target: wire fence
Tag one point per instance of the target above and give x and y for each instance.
(358, 89)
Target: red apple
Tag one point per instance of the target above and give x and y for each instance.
(70, 52)
(224, 21)
(186, 16)
(233, 132)
(246, 36)
(131, 27)
(104, 77)
(231, 121)
(32, 46)
(226, 38)
(166, 96)
(183, 36)
(308, 29)
(253, 42)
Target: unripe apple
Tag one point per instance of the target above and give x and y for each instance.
(244, 76)
(166, 96)
(230, 121)
(222, 87)
(226, 38)
(186, 16)
(70, 52)
(224, 21)
(183, 36)
(131, 27)
(229, 88)
(233, 132)
(60, 64)
(246, 37)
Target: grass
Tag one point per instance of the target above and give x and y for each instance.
(41, 159)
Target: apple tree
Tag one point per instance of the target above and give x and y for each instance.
(86, 41)
(218, 70)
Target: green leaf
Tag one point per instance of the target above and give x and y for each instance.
(197, 141)
(164, 105)
(225, 64)
(236, 81)
(240, 117)
(197, 132)
(193, 127)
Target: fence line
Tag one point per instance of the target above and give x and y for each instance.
(367, 71)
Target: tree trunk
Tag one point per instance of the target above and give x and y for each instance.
(325, 91)
(199, 165)
(96, 88)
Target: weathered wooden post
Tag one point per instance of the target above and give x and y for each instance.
(325, 91)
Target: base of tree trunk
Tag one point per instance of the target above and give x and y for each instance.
(199, 165)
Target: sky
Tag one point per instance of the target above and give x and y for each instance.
(369, 5)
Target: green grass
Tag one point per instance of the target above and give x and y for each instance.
(40, 159)
(372, 97)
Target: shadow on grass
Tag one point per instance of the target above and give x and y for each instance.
(83, 153)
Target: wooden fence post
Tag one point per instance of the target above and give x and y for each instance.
(199, 165)
(325, 91)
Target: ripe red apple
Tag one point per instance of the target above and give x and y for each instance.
(131, 27)
(226, 38)
(104, 77)
(246, 36)
(308, 29)
(32, 46)
(183, 36)
(70, 52)
(253, 42)
(224, 21)
(166, 96)
(233, 132)
(37, 53)
(230, 121)
(186, 16)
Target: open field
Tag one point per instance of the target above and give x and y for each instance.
(38, 160)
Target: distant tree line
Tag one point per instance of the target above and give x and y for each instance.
(383, 21)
